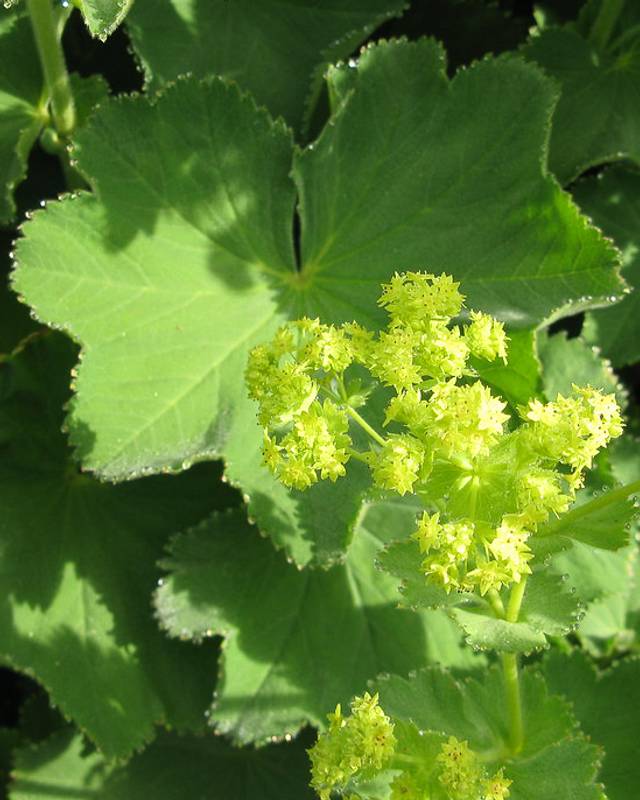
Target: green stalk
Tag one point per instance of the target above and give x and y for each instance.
(46, 31)
(570, 517)
(512, 675)
(515, 600)
(605, 22)
(365, 425)
(342, 400)
(495, 601)
(514, 703)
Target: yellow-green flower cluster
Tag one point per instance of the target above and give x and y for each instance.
(414, 299)
(464, 777)
(398, 463)
(361, 744)
(298, 380)
(572, 430)
(316, 444)
(306, 438)
(462, 556)
(485, 337)
(357, 748)
(444, 436)
(446, 548)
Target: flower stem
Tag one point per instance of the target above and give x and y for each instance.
(46, 31)
(511, 674)
(605, 22)
(515, 600)
(514, 704)
(365, 425)
(495, 601)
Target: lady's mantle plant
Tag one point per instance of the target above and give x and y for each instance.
(488, 483)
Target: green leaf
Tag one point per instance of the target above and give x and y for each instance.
(611, 623)
(392, 518)
(77, 565)
(224, 219)
(415, 171)
(548, 606)
(15, 322)
(296, 642)
(103, 16)
(606, 706)
(594, 572)
(606, 580)
(172, 767)
(278, 55)
(572, 361)
(554, 764)
(624, 458)
(21, 117)
(402, 560)
(602, 522)
(549, 609)
(565, 770)
(195, 259)
(518, 380)
(489, 633)
(597, 118)
(612, 200)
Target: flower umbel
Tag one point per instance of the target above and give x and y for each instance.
(360, 744)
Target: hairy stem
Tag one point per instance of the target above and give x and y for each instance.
(514, 704)
(605, 22)
(515, 600)
(593, 505)
(511, 674)
(47, 32)
(495, 601)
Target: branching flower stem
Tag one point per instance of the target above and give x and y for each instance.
(364, 425)
(47, 33)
